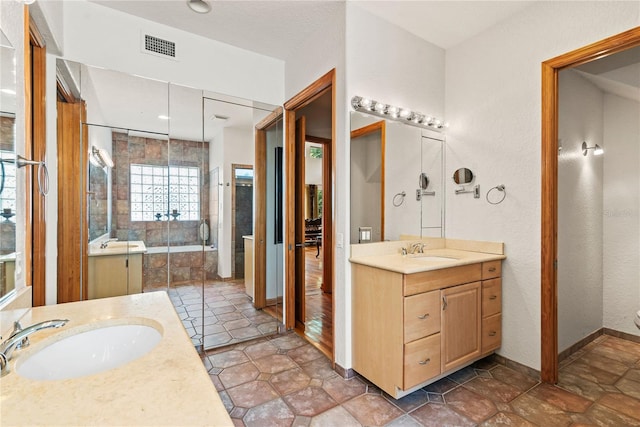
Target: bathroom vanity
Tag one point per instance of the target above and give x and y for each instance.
(115, 269)
(168, 385)
(419, 317)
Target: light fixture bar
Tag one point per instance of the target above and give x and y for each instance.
(403, 115)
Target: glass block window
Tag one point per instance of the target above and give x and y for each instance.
(8, 195)
(161, 193)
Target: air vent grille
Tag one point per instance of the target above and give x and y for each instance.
(159, 46)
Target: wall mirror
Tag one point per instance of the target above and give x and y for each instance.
(176, 207)
(9, 209)
(386, 157)
(463, 176)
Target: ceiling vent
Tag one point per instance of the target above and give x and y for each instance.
(159, 47)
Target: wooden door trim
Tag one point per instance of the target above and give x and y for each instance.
(381, 127)
(549, 200)
(28, 147)
(303, 98)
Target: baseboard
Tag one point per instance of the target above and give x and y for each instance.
(345, 373)
(623, 335)
(577, 346)
(518, 367)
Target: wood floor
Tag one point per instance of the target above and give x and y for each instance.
(319, 317)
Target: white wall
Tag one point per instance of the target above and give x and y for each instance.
(313, 58)
(238, 148)
(493, 105)
(580, 118)
(621, 209)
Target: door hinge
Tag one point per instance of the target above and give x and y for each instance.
(555, 264)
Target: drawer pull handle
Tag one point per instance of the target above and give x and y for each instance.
(492, 333)
(492, 269)
(493, 297)
(444, 303)
(424, 316)
(424, 362)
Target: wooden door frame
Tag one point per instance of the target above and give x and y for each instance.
(35, 61)
(316, 89)
(549, 202)
(260, 209)
(367, 130)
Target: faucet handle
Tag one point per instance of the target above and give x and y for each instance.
(17, 328)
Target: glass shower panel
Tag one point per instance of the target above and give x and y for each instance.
(185, 200)
(432, 187)
(242, 305)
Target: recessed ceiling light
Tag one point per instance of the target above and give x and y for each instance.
(163, 117)
(199, 6)
(8, 91)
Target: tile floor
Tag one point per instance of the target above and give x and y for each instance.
(229, 316)
(284, 381)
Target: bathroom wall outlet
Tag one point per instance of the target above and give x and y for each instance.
(339, 240)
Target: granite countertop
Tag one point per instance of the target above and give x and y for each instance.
(444, 253)
(169, 385)
(118, 248)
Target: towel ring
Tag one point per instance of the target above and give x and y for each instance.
(501, 189)
(400, 197)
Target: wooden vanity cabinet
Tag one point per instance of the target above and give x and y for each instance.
(410, 330)
(114, 275)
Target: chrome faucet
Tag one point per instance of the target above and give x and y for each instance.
(104, 244)
(19, 339)
(416, 248)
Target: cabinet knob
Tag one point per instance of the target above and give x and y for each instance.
(424, 316)
(492, 269)
(492, 333)
(493, 297)
(424, 362)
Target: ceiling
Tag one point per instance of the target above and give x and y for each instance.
(617, 74)
(275, 28)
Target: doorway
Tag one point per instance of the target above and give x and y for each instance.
(310, 118)
(549, 235)
(242, 215)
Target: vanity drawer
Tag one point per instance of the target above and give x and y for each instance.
(421, 360)
(491, 269)
(421, 315)
(430, 280)
(491, 297)
(491, 332)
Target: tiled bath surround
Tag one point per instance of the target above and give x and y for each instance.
(162, 268)
(184, 267)
(7, 228)
(150, 151)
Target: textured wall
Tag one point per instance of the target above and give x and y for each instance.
(493, 105)
(621, 213)
(579, 210)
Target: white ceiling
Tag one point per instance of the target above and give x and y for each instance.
(274, 28)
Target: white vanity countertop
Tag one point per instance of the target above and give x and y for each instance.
(118, 248)
(167, 386)
(387, 255)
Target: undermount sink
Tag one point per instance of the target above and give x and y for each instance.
(433, 258)
(89, 352)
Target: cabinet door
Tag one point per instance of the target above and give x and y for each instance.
(461, 324)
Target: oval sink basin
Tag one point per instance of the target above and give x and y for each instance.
(89, 352)
(434, 258)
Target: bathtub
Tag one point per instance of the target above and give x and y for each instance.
(177, 249)
(176, 265)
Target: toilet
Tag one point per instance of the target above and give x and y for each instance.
(637, 319)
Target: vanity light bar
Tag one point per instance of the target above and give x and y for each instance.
(369, 106)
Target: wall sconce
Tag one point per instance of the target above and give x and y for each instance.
(597, 150)
(100, 157)
(403, 115)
